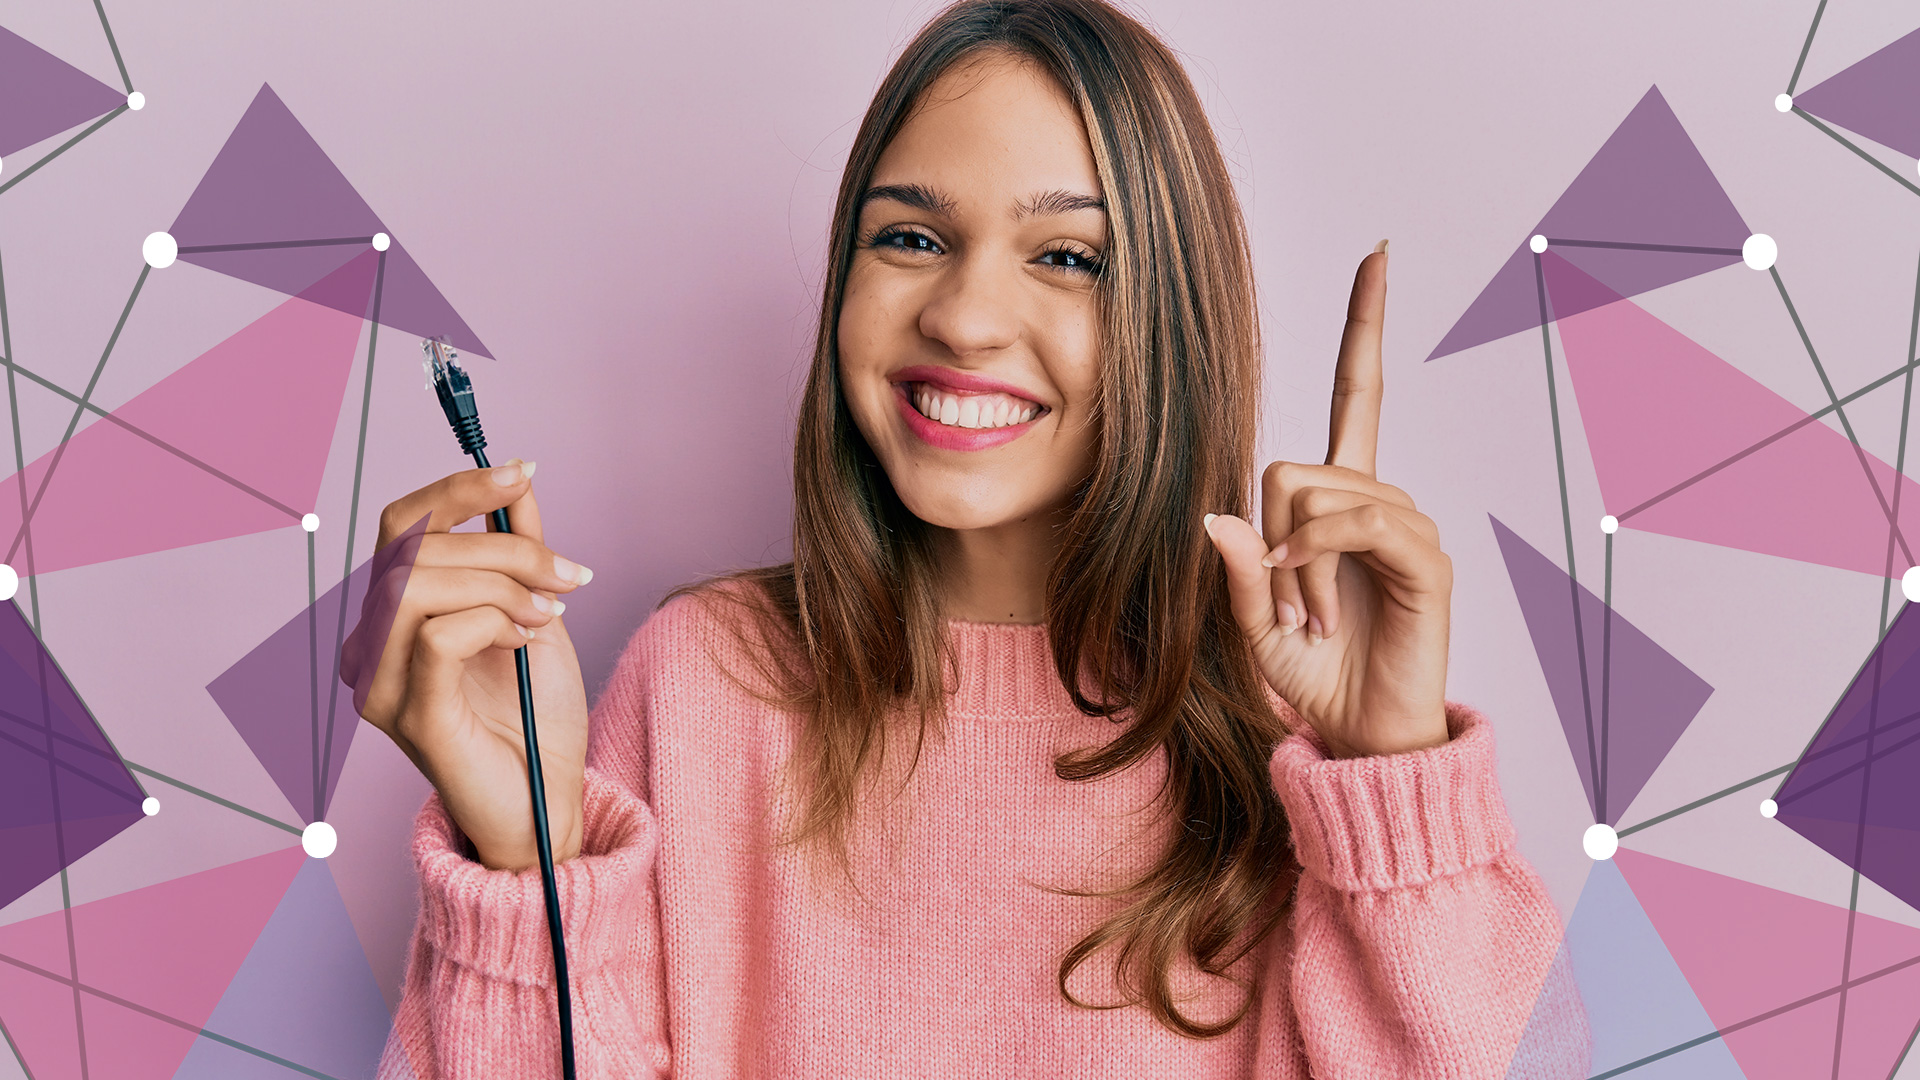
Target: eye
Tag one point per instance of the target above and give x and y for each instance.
(1073, 259)
(903, 238)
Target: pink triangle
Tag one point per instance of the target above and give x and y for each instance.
(1748, 950)
(171, 947)
(1658, 409)
(260, 406)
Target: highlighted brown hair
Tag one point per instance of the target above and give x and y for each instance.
(1136, 597)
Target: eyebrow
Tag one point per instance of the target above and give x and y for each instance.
(921, 197)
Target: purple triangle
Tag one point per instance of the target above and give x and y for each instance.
(1879, 97)
(271, 698)
(305, 993)
(271, 183)
(63, 789)
(1868, 818)
(1650, 697)
(42, 95)
(1647, 184)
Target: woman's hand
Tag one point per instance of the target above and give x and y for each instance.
(446, 690)
(1351, 562)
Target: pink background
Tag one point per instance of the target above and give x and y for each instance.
(628, 203)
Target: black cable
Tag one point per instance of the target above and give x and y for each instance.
(456, 400)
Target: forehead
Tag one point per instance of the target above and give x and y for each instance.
(994, 127)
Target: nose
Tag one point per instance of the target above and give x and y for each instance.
(973, 307)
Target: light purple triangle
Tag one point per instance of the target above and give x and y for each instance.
(1879, 97)
(50, 743)
(43, 95)
(1869, 820)
(305, 993)
(271, 183)
(270, 695)
(1647, 184)
(1650, 696)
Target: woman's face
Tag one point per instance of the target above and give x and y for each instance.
(968, 336)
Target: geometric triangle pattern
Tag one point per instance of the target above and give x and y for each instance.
(1636, 1001)
(1660, 410)
(1856, 789)
(42, 95)
(260, 407)
(305, 994)
(63, 788)
(1766, 966)
(1647, 185)
(152, 965)
(282, 696)
(273, 209)
(1878, 97)
(1630, 701)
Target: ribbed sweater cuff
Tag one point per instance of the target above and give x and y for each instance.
(495, 921)
(1392, 820)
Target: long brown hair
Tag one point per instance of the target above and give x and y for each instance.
(1136, 598)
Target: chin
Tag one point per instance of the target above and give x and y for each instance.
(949, 509)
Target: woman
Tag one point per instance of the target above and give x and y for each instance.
(1020, 768)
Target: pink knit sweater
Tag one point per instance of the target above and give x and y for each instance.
(1417, 946)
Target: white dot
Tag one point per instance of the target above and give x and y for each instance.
(1609, 524)
(136, 101)
(1910, 584)
(9, 581)
(310, 522)
(1768, 808)
(1759, 251)
(1538, 243)
(1784, 103)
(381, 241)
(150, 807)
(1600, 841)
(3, 165)
(319, 839)
(160, 249)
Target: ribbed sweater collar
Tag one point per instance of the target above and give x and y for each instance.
(1006, 672)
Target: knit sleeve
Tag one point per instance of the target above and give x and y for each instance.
(479, 1000)
(1424, 943)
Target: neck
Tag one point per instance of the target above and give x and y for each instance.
(997, 574)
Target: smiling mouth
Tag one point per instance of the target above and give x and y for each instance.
(976, 411)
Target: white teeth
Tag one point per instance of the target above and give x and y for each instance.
(971, 410)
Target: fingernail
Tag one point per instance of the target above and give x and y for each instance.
(1380, 248)
(1275, 557)
(1289, 618)
(548, 607)
(571, 571)
(525, 631)
(507, 475)
(1314, 636)
(526, 469)
(1207, 523)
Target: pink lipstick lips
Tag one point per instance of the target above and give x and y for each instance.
(950, 383)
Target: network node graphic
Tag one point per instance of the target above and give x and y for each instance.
(1684, 973)
(274, 210)
(1623, 701)
(42, 95)
(66, 789)
(1878, 96)
(1855, 792)
(1646, 191)
(255, 968)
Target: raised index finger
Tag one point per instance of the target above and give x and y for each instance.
(1353, 433)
